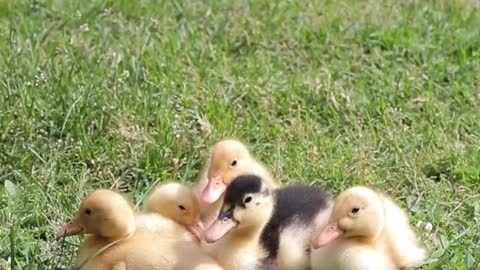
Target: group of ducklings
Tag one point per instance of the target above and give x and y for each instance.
(251, 224)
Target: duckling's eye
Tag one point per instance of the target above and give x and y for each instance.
(355, 210)
(181, 207)
(88, 211)
(247, 199)
(234, 163)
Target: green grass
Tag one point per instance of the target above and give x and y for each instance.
(332, 93)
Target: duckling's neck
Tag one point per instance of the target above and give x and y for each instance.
(369, 238)
(255, 167)
(247, 235)
(252, 233)
(119, 232)
(363, 240)
(381, 224)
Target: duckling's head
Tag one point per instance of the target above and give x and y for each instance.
(358, 212)
(229, 159)
(178, 203)
(104, 213)
(248, 204)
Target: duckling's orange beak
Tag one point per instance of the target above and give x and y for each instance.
(327, 235)
(71, 228)
(218, 229)
(197, 229)
(214, 190)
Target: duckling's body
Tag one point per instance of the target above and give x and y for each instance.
(401, 238)
(239, 252)
(265, 229)
(113, 240)
(126, 254)
(146, 251)
(229, 159)
(349, 254)
(367, 231)
(156, 223)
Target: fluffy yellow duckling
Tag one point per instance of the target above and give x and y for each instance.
(113, 242)
(229, 159)
(178, 203)
(367, 231)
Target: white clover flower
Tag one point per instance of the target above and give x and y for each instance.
(154, 22)
(84, 27)
(428, 226)
(419, 224)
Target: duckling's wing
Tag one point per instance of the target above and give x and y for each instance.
(298, 211)
(402, 238)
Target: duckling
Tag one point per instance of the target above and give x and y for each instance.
(113, 242)
(178, 203)
(261, 228)
(229, 159)
(367, 231)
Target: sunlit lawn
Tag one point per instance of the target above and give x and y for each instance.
(329, 93)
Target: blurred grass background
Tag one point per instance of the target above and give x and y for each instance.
(330, 93)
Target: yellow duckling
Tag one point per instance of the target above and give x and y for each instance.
(113, 242)
(367, 231)
(178, 203)
(229, 159)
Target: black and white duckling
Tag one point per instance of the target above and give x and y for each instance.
(260, 228)
(367, 231)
